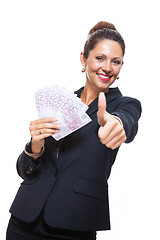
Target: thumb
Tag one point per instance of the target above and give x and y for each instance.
(101, 114)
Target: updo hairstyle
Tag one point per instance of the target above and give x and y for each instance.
(102, 30)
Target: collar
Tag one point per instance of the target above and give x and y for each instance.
(112, 94)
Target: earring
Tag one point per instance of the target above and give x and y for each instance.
(83, 70)
(117, 77)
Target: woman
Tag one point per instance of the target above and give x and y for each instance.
(64, 194)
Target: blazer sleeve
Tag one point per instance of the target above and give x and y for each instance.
(26, 165)
(129, 111)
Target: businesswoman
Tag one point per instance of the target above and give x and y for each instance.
(64, 192)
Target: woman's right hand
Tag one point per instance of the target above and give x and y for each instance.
(41, 129)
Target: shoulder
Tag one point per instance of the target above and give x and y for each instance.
(129, 102)
(124, 100)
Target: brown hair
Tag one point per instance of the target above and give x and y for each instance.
(102, 30)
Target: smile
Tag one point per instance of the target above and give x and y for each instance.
(104, 77)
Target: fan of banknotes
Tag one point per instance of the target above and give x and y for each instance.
(65, 106)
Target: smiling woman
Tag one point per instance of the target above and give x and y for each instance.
(102, 59)
(103, 65)
(64, 194)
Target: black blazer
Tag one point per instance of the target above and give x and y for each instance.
(69, 181)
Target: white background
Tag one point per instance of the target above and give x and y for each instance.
(40, 44)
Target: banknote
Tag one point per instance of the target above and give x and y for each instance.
(58, 102)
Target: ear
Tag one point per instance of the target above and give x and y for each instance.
(82, 59)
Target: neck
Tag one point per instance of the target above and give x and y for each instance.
(88, 95)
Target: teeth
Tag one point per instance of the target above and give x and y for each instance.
(106, 77)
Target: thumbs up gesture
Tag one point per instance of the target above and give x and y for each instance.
(111, 131)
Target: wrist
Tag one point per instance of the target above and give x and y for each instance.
(30, 153)
(36, 147)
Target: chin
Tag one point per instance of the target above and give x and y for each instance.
(103, 88)
(104, 85)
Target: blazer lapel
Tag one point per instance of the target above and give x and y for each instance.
(110, 96)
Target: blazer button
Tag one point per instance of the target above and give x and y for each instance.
(29, 170)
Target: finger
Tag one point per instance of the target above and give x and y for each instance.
(41, 126)
(101, 114)
(114, 140)
(118, 143)
(47, 131)
(37, 132)
(105, 131)
(47, 126)
(37, 136)
(44, 120)
(115, 132)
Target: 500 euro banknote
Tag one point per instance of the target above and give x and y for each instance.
(65, 106)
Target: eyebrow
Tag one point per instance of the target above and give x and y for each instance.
(102, 54)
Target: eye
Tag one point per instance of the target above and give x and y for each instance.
(116, 62)
(99, 58)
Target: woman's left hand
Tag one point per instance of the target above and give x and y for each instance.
(111, 132)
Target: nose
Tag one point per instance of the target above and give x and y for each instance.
(107, 67)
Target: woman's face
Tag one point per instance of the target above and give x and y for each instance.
(103, 64)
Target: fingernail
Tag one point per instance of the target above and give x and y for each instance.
(58, 126)
(54, 119)
(57, 130)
